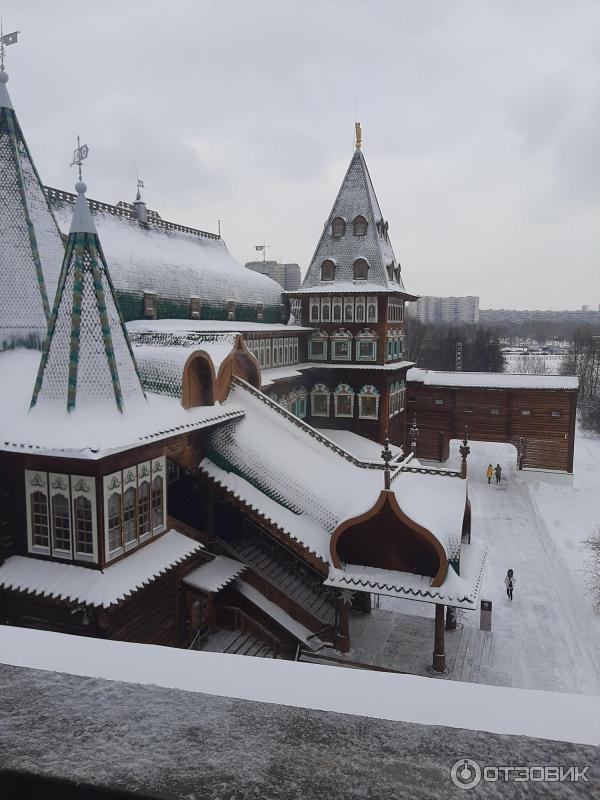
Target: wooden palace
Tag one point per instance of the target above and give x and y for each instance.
(181, 464)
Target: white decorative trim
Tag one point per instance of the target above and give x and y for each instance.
(59, 485)
(144, 475)
(36, 481)
(85, 486)
(110, 484)
(159, 467)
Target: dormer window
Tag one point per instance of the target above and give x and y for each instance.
(360, 270)
(327, 270)
(259, 312)
(230, 309)
(150, 306)
(359, 226)
(195, 307)
(338, 227)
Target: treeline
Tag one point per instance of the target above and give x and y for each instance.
(583, 360)
(434, 346)
(544, 330)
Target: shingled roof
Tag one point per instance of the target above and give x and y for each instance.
(31, 247)
(87, 356)
(356, 197)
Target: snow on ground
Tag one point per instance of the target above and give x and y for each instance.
(548, 637)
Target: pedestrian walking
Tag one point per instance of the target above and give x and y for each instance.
(498, 472)
(489, 472)
(510, 582)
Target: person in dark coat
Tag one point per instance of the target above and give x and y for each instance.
(498, 471)
(510, 581)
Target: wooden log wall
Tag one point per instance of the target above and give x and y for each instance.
(544, 419)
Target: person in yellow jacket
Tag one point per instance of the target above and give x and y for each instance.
(489, 473)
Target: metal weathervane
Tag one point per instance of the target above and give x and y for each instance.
(80, 153)
(6, 39)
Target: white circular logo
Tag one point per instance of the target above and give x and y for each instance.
(465, 773)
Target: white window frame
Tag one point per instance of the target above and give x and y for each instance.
(56, 482)
(320, 390)
(144, 474)
(326, 304)
(159, 467)
(319, 336)
(360, 303)
(344, 390)
(295, 359)
(348, 304)
(365, 336)
(267, 353)
(337, 303)
(341, 336)
(84, 486)
(372, 301)
(314, 304)
(36, 481)
(110, 483)
(286, 350)
(368, 391)
(129, 478)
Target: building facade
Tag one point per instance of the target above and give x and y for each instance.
(288, 276)
(448, 310)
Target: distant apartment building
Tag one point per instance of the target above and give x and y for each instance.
(451, 310)
(287, 275)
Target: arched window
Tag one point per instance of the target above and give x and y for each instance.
(83, 525)
(39, 519)
(325, 309)
(144, 509)
(315, 309)
(344, 401)
(114, 521)
(349, 310)
(61, 522)
(319, 400)
(368, 403)
(341, 345)
(371, 309)
(327, 270)
(360, 270)
(359, 226)
(359, 310)
(338, 227)
(157, 503)
(337, 309)
(129, 516)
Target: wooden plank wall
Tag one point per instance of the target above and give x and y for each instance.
(496, 415)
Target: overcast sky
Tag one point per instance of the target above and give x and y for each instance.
(481, 125)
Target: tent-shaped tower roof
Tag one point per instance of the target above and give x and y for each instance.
(345, 237)
(31, 247)
(87, 356)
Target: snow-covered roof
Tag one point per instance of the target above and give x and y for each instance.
(491, 380)
(356, 197)
(210, 326)
(460, 591)
(291, 476)
(92, 431)
(214, 575)
(31, 247)
(94, 587)
(169, 260)
(161, 357)
(359, 446)
(87, 358)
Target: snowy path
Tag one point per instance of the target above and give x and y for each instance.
(548, 637)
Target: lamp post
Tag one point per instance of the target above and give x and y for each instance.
(464, 451)
(413, 432)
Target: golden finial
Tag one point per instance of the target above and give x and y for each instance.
(358, 134)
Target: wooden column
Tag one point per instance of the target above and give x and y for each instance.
(451, 618)
(343, 625)
(439, 655)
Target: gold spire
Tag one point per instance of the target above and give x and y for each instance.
(358, 135)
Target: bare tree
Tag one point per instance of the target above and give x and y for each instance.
(529, 365)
